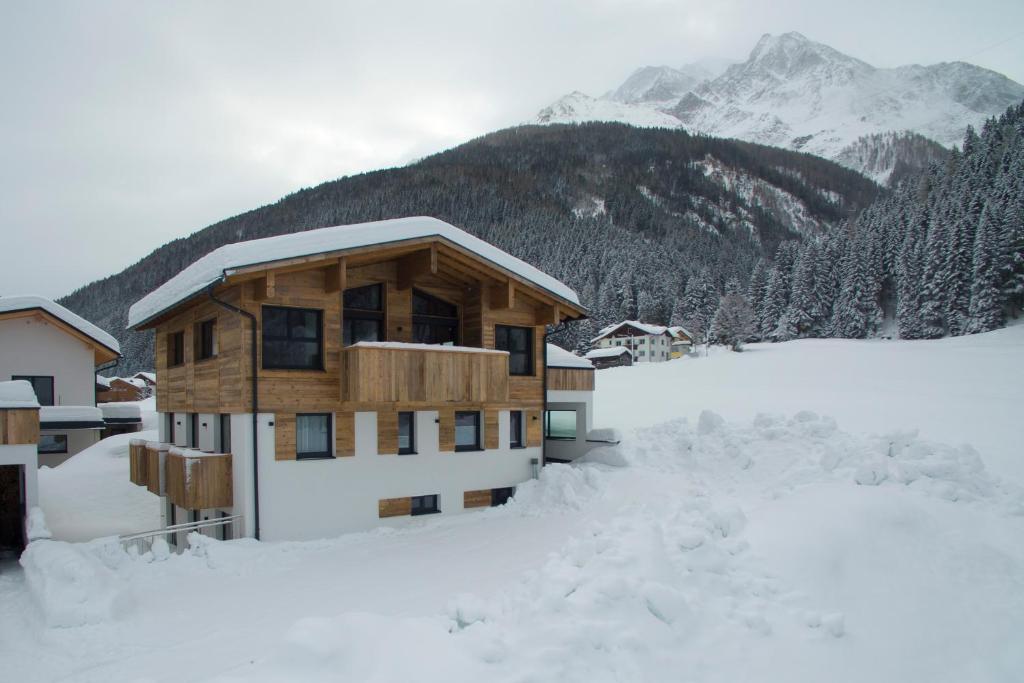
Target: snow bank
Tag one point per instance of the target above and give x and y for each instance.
(29, 302)
(86, 414)
(17, 394)
(36, 528)
(121, 410)
(72, 583)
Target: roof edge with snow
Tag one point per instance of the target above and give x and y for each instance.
(29, 302)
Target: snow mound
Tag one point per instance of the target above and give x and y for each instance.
(559, 487)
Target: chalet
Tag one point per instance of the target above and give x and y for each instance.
(682, 341)
(19, 462)
(647, 343)
(147, 378)
(58, 353)
(610, 357)
(338, 379)
(121, 389)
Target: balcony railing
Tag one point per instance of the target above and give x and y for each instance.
(383, 372)
(197, 481)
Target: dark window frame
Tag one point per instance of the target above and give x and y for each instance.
(176, 349)
(431, 498)
(206, 339)
(31, 379)
(466, 448)
(192, 434)
(315, 455)
(224, 446)
(351, 314)
(502, 495)
(434, 320)
(57, 438)
(319, 339)
(547, 426)
(516, 439)
(411, 449)
(170, 427)
(529, 351)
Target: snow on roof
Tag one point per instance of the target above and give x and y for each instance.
(28, 302)
(608, 353)
(151, 376)
(560, 358)
(134, 381)
(86, 414)
(222, 261)
(120, 410)
(17, 394)
(677, 329)
(643, 327)
(103, 381)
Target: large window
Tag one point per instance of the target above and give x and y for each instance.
(292, 338)
(363, 315)
(424, 505)
(434, 321)
(206, 339)
(175, 348)
(193, 430)
(560, 424)
(53, 443)
(515, 420)
(312, 436)
(518, 341)
(406, 433)
(467, 431)
(42, 385)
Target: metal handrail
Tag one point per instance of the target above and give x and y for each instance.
(138, 540)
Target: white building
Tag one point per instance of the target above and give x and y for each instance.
(19, 489)
(569, 414)
(58, 353)
(647, 343)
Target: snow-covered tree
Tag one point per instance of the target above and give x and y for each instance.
(734, 321)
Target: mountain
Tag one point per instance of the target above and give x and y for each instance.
(794, 93)
(624, 215)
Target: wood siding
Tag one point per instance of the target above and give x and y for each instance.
(284, 436)
(491, 429)
(153, 468)
(344, 435)
(476, 499)
(387, 432)
(138, 465)
(394, 507)
(570, 379)
(534, 428)
(199, 482)
(19, 426)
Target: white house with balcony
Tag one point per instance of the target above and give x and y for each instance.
(647, 343)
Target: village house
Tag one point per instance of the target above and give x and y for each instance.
(338, 379)
(682, 341)
(611, 357)
(58, 353)
(121, 389)
(646, 343)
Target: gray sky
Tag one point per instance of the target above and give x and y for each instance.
(127, 124)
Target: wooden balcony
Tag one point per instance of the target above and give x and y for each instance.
(417, 373)
(138, 464)
(197, 481)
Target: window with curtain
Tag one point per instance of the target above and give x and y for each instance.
(363, 315)
(292, 338)
(313, 435)
(406, 433)
(434, 321)
(518, 341)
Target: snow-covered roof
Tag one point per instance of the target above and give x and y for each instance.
(120, 410)
(29, 302)
(676, 330)
(149, 376)
(103, 381)
(560, 358)
(609, 352)
(86, 415)
(17, 394)
(134, 381)
(221, 262)
(643, 327)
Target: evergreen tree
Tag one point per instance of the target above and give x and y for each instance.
(986, 311)
(733, 322)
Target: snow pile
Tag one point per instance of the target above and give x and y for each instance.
(17, 394)
(123, 411)
(84, 414)
(35, 528)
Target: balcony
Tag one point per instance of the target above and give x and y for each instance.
(197, 480)
(385, 372)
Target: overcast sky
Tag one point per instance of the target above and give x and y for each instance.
(125, 125)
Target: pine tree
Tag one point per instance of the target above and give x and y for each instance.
(798, 319)
(756, 291)
(986, 311)
(733, 321)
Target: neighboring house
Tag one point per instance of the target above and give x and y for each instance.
(610, 358)
(569, 414)
(19, 489)
(682, 341)
(149, 378)
(124, 389)
(337, 379)
(647, 343)
(58, 353)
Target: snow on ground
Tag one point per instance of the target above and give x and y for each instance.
(763, 547)
(89, 495)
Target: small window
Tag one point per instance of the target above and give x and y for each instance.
(515, 419)
(292, 338)
(363, 315)
(518, 341)
(424, 505)
(176, 349)
(225, 434)
(502, 496)
(206, 339)
(434, 321)
(313, 436)
(53, 443)
(406, 433)
(467, 431)
(560, 425)
(193, 436)
(42, 385)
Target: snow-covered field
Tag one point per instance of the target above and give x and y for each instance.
(771, 544)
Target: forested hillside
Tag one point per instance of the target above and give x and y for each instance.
(942, 255)
(624, 215)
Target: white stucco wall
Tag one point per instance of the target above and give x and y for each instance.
(78, 440)
(29, 346)
(656, 348)
(583, 403)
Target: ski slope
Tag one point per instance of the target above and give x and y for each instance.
(762, 539)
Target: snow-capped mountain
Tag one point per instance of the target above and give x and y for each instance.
(795, 93)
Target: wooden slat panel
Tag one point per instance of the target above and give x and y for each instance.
(446, 430)
(387, 432)
(534, 428)
(138, 470)
(284, 436)
(394, 507)
(153, 470)
(476, 499)
(345, 435)
(19, 426)
(570, 379)
(198, 483)
(490, 429)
